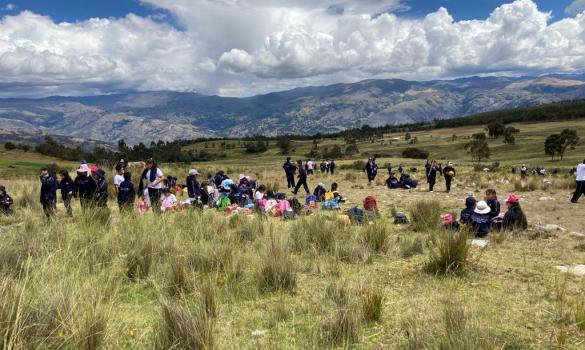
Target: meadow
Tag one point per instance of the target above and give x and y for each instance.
(201, 279)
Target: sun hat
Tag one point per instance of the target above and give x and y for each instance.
(321, 184)
(193, 172)
(94, 168)
(482, 208)
(470, 201)
(512, 198)
(241, 176)
(83, 168)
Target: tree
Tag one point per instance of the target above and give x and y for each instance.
(407, 136)
(478, 147)
(9, 146)
(495, 130)
(509, 133)
(569, 138)
(453, 138)
(285, 144)
(553, 145)
(351, 150)
(415, 153)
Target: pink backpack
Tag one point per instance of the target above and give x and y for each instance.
(284, 205)
(262, 202)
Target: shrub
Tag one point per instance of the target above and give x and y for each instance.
(376, 235)
(425, 215)
(184, 326)
(449, 254)
(277, 271)
(342, 327)
(580, 316)
(415, 153)
(317, 232)
(356, 165)
(372, 303)
(9, 146)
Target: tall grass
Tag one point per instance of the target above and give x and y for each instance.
(277, 270)
(448, 252)
(425, 215)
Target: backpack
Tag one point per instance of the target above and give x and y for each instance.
(400, 218)
(290, 215)
(370, 203)
(295, 205)
(284, 205)
(223, 203)
(330, 204)
(356, 215)
(311, 199)
(329, 196)
(280, 196)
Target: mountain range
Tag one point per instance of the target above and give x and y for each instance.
(150, 116)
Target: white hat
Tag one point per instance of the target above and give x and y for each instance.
(321, 184)
(482, 208)
(193, 172)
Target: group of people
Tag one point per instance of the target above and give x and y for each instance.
(303, 171)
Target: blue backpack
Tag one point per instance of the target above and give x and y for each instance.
(330, 204)
(310, 198)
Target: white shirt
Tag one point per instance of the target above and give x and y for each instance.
(310, 165)
(259, 195)
(158, 176)
(118, 179)
(581, 172)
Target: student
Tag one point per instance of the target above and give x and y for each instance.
(514, 219)
(302, 181)
(332, 166)
(322, 166)
(101, 192)
(66, 187)
(310, 167)
(320, 192)
(84, 186)
(260, 193)
(327, 166)
(432, 175)
(154, 179)
(204, 194)
(48, 192)
(126, 193)
(5, 202)
(523, 171)
(492, 200)
(428, 165)
(193, 188)
(481, 221)
(168, 201)
(335, 193)
(392, 182)
(119, 177)
(289, 170)
(449, 173)
(467, 213)
(580, 182)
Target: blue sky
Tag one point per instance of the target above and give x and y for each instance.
(75, 10)
(246, 47)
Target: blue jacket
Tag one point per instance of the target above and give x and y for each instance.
(126, 193)
(289, 167)
(48, 189)
(465, 216)
(481, 224)
(494, 205)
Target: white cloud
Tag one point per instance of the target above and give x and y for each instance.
(243, 47)
(576, 7)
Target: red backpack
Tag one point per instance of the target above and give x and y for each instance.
(370, 203)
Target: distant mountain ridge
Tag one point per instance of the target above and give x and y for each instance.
(150, 116)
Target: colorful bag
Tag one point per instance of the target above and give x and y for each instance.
(370, 203)
(330, 205)
(223, 203)
(329, 196)
(284, 205)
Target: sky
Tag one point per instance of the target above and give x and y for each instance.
(247, 47)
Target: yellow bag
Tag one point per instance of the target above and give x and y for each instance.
(329, 196)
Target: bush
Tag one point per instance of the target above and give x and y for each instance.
(9, 146)
(277, 272)
(449, 253)
(425, 215)
(415, 153)
(338, 292)
(376, 235)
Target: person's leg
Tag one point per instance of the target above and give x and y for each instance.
(579, 190)
(306, 187)
(431, 185)
(296, 188)
(154, 195)
(67, 202)
(448, 183)
(291, 180)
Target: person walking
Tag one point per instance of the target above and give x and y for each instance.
(332, 166)
(428, 166)
(310, 167)
(432, 176)
(154, 180)
(580, 182)
(66, 187)
(84, 187)
(449, 173)
(289, 170)
(48, 192)
(101, 192)
(370, 170)
(302, 181)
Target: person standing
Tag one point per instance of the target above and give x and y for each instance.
(289, 170)
(432, 176)
(449, 173)
(48, 192)
(332, 166)
(322, 166)
(154, 179)
(310, 167)
(428, 166)
(369, 170)
(101, 192)
(580, 182)
(302, 181)
(66, 187)
(119, 177)
(5, 202)
(84, 187)
(126, 193)
(523, 171)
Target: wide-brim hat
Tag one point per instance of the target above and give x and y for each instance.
(482, 208)
(193, 172)
(83, 168)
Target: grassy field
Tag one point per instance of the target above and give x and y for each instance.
(200, 280)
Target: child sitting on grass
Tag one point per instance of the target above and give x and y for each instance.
(481, 222)
(514, 219)
(168, 201)
(491, 199)
(5, 202)
(467, 213)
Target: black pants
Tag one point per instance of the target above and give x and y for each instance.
(370, 177)
(579, 190)
(290, 180)
(310, 172)
(154, 196)
(302, 182)
(48, 208)
(448, 183)
(431, 184)
(67, 203)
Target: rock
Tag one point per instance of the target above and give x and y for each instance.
(577, 235)
(549, 227)
(577, 270)
(259, 333)
(481, 243)
(546, 199)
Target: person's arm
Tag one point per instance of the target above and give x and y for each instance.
(160, 179)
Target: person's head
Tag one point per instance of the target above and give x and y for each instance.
(166, 191)
(470, 202)
(119, 169)
(128, 176)
(270, 194)
(2, 191)
(299, 162)
(151, 163)
(450, 163)
(64, 174)
(308, 160)
(490, 194)
(334, 187)
(288, 159)
(320, 184)
(583, 161)
(262, 189)
(434, 162)
(204, 184)
(193, 173)
(512, 201)
(45, 172)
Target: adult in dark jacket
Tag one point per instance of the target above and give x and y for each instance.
(5, 202)
(193, 187)
(514, 219)
(449, 173)
(302, 181)
(332, 166)
(84, 187)
(289, 170)
(48, 192)
(66, 187)
(101, 192)
(428, 166)
(371, 170)
(432, 176)
(126, 193)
